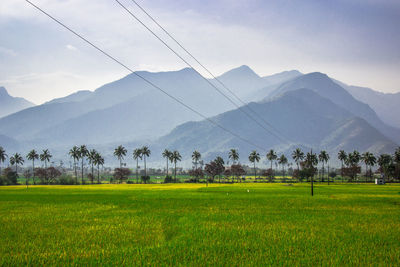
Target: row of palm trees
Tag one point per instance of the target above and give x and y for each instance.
(81, 154)
(95, 159)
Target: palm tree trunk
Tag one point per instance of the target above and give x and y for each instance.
(366, 172)
(120, 163)
(92, 174)
(328, 174)
(175, 172)
(341, 171)
(145, 168)
(323, 171)
(137, 170)
(82, 170)
(167, 166)
(33, 172)
(255, 172)
(76, 172)
(98, 173)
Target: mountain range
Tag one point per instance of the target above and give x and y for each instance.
(307, 110)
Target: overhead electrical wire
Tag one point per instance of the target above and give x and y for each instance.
(194, 69)
(205, 68)
(143, 78)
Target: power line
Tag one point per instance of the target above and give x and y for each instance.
(206, 69)
(187, 63)
(141, 77)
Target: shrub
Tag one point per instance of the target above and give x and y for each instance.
(121, 174)
(168, 179)
(10, 177)
(145, 178)
(65, 180)
(47, 176)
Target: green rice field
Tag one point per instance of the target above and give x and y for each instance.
(249, 224)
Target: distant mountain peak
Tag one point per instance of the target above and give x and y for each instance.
(319, 75)
(243, 70)
(10, 104)
(3, 92)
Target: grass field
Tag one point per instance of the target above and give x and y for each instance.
(191, 225)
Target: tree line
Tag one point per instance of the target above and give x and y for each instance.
(307, 165)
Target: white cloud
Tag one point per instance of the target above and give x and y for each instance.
(71, 47)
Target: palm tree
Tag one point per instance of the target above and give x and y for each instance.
(234, 155)
(120, 153)
(384, 161)
(98, 160)
(75, 154)
(311, 160)
(167, 155)
(3, 156)
(342, 156)
(32, 155)
(92, 159)
(298, 156)
(271, 156)
(175, 157)
(145, 153)
(283, 161)
(45, 156)
(323, 157)
(15, 160)
(83, 151)
(370, 160)
(196, 156)
(253, 158)
(220, 161)
(137, 154)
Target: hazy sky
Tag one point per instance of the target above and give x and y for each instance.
(355, 41)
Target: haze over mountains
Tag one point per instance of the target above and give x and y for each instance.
(309, 110)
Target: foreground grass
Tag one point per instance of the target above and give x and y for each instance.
(188, 224)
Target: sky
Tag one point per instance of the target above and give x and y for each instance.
(354, 41)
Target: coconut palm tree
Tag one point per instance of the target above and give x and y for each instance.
(92, 159)
(45, 156)
(137, 154)
(271, 156)
(3, 156)
(323, 157)
(311, 160)
(369, 160)
(283, 161)
(196, 156)
(234, 155)
(175, 157)
(98, 160)
(384, 161)
(298, 156)
(32, 155)
(145, 153)
(342, 156)
(15, 160)
(120, 153)
(167, 155)
(253, 158)
(75, 154)
(83, 152)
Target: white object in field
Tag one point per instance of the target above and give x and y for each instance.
(379, 181)
(248, 190)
